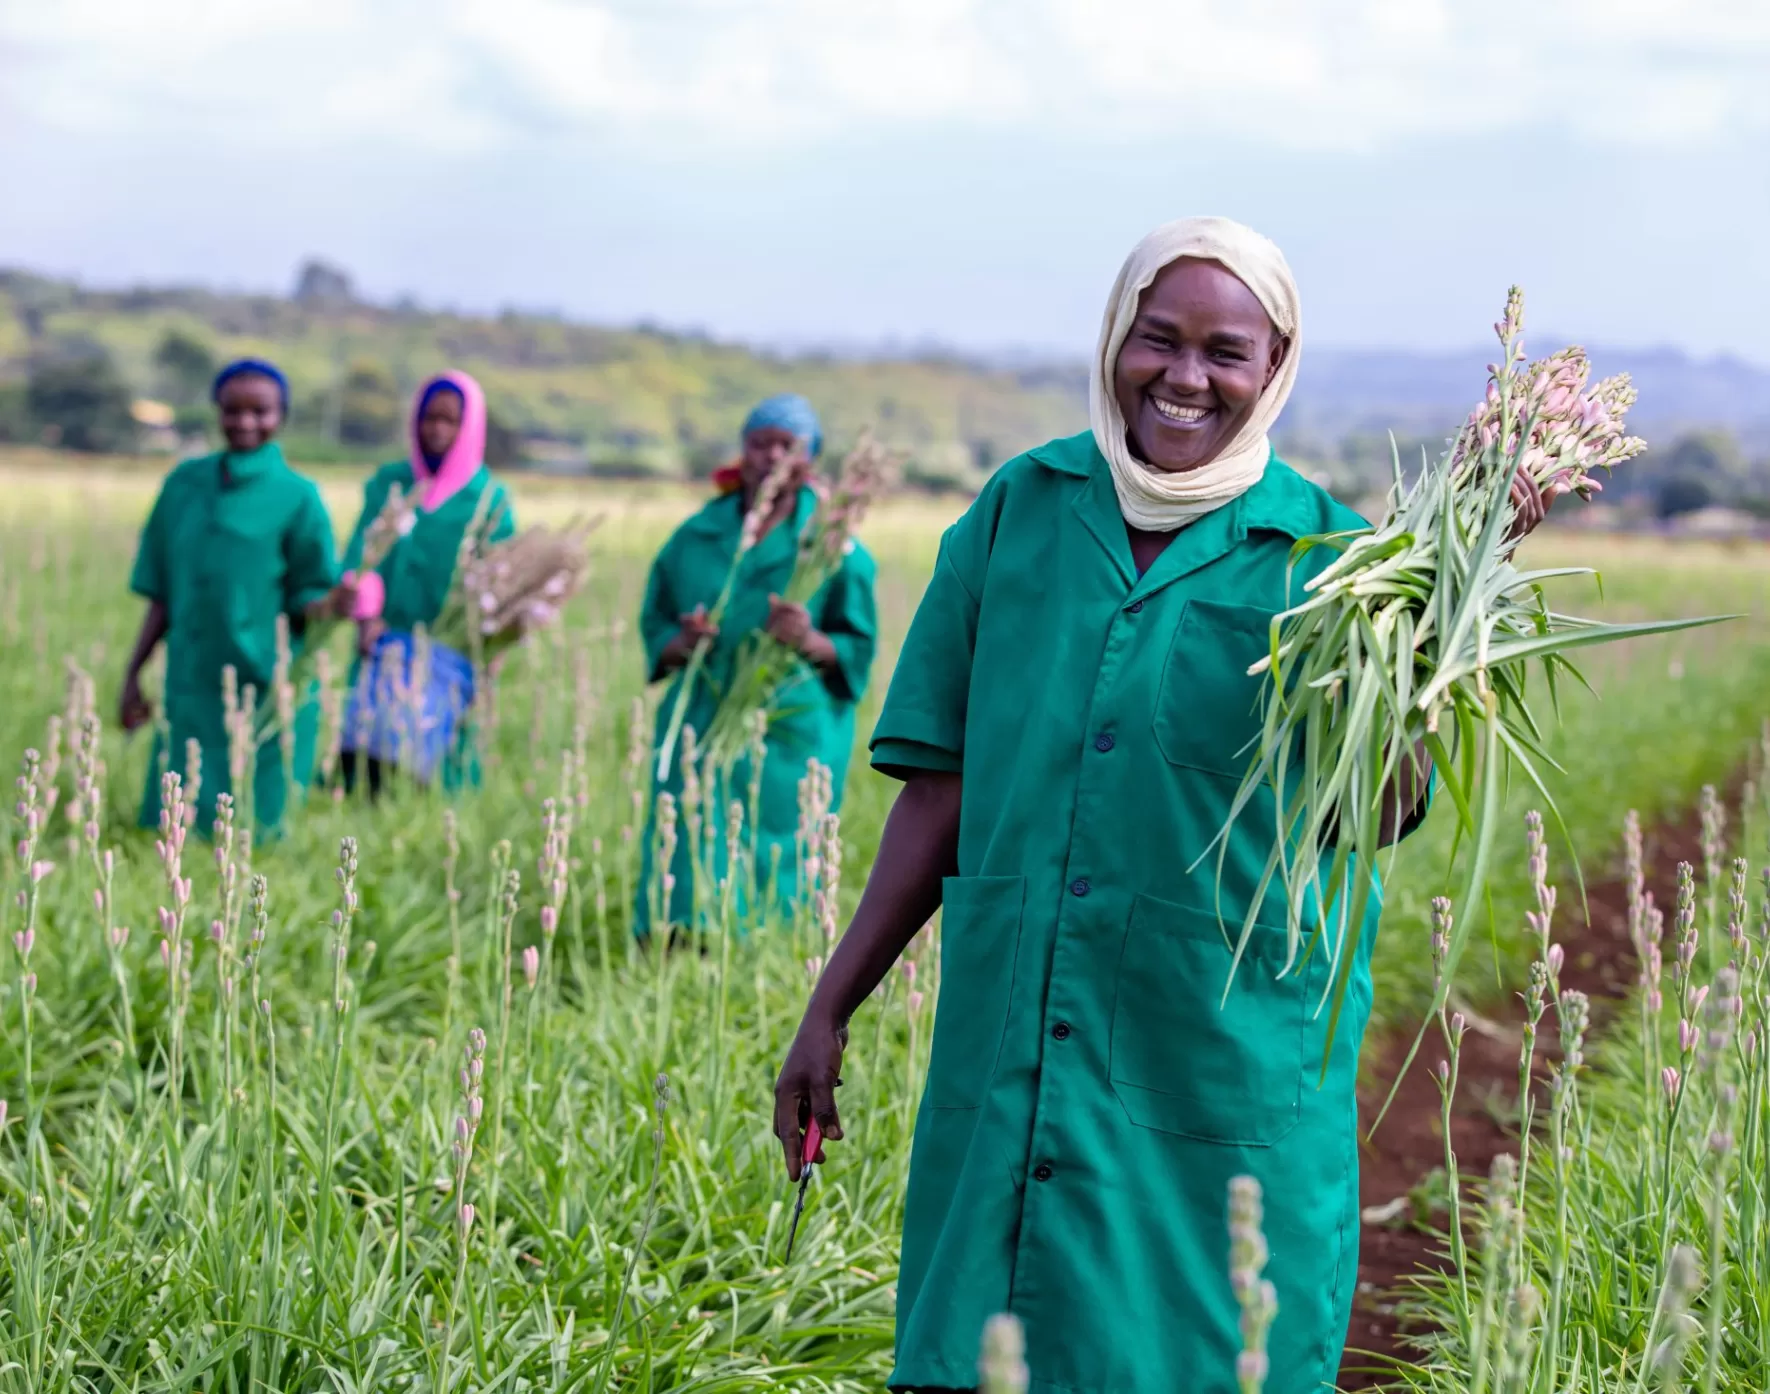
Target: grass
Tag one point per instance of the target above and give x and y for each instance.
(284, 1207)
(1626, 1247)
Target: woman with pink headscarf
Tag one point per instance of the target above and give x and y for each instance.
(414, 717)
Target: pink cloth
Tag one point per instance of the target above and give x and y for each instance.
(371, 594)
(462, 459)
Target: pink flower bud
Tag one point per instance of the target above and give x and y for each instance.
(1686, 1037)
(217, 930)
(1556, 956)
(40, 871)
(549, 920)
(1444, 1071)
(531, 965)
(1702, 995)
(23, 940)
(165, 954)
(98, 900)
(30, 984)
(462, 1131)
(1458, 1024)
(119, 936)
(2, 1115)
(915, 1001)
(1669, 1077)
(466, 1218)
(168, 921)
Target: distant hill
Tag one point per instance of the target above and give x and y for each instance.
(647, 400)
(635, 400)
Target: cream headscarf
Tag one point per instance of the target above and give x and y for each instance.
(1150, 499)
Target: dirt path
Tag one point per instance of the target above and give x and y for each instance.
(1600, 963)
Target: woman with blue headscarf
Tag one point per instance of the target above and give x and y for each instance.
(834, 635)
(236, 542)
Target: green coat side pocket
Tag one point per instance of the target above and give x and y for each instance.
(979, 941)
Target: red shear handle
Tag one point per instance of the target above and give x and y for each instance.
(814, 1139)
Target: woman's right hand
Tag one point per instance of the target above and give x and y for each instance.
(134, 710)
(806, 1089)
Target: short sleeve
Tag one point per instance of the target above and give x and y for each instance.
(659, 619)
(310, 555)
(501, 516)
(850, 621)
(922, 724)
(149, 578)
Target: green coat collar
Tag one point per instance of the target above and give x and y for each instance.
(1281, 502)
(235, 467)
(722, 519)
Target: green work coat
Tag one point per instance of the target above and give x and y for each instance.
(1091, 1092)
(419, 569)
(814, 716)
(233, 542)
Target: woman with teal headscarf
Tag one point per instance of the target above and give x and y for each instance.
(834, 635)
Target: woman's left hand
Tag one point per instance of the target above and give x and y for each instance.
(791, 624)
(1529, 507)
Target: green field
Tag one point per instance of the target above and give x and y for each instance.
(289, 1221)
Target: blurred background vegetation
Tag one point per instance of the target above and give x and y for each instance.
(106, 370)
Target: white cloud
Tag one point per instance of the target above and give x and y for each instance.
(478, 74)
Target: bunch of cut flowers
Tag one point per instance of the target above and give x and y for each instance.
(1414, 644)
(766, 668)
(505, 590)
(762, 507)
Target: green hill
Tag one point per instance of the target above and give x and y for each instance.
(571, 396)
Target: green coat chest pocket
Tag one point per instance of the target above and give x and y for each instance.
(1188, 1060)
(1206, 713)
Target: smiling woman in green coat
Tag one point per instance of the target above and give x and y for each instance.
(1070, 714)
(834, 635)
(235, 541)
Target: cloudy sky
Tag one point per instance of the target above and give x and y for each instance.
(967, 171)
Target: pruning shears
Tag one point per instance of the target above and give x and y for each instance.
(814, 1138)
